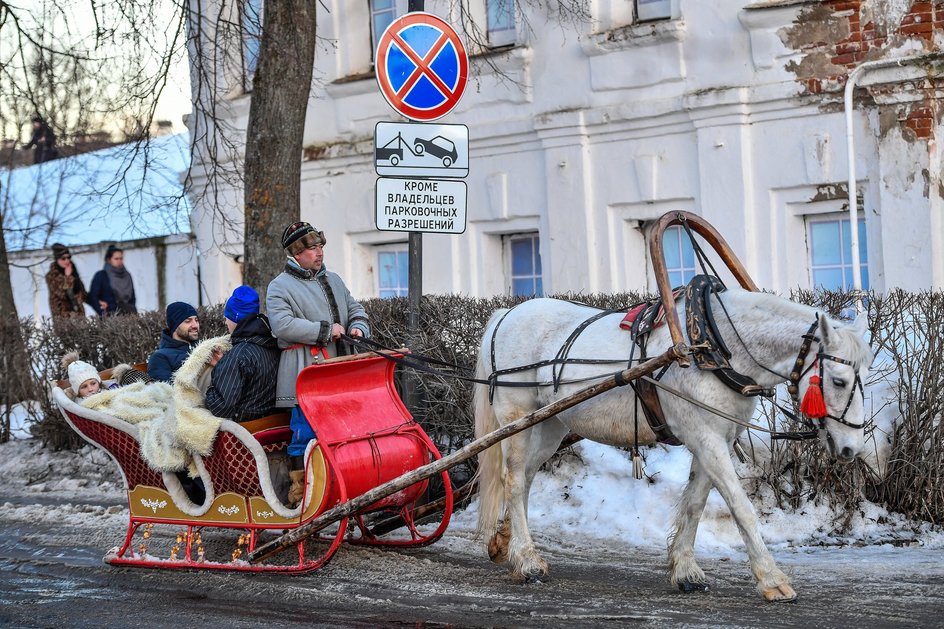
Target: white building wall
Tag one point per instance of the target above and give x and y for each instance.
(598, 128)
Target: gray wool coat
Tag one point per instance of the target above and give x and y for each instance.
(302, 306)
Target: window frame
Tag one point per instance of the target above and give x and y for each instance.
(399, 8)
(501, 37)
(652, 10)
(537, 266)
(845, 256)
(396, 248)
(682, 269)
(247, 37)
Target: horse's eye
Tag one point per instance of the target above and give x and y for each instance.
(839, 382)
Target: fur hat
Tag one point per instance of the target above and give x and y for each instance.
(177, 313)
(299, 236)
(243, 303)
(59, 250)
(79, 371)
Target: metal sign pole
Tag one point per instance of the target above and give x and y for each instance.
(415, 288)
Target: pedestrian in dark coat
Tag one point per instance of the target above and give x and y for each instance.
(244, 379)
(66, 292)
(112, 290)
(183, 329)
(44, 139)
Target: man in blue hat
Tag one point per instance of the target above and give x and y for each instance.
(244, 379)
(183, 329)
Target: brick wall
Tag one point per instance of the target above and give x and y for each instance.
(836, 36)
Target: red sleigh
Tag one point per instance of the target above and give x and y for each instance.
(366, 437)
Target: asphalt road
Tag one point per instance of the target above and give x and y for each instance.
(52, 575)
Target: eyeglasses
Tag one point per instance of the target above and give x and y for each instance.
(65, 257)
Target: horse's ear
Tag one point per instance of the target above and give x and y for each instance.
(825, 329)
(861, 323)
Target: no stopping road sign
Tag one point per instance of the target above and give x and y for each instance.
(422, 66)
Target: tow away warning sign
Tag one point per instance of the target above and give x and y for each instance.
(421, 205)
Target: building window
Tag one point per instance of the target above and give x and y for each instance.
(679, 256)
(382, 14)
(653, 10)
(393, 270)
(830, 244)
(501, 22)
(252, 39)
(524, 254)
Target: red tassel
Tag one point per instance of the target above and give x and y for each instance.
(813, 404)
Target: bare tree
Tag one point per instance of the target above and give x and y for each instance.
(274, 138)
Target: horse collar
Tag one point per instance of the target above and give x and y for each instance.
(708, 348)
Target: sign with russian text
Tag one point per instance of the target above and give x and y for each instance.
(421, 66)
(421, 205)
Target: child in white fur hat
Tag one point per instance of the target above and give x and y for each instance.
(84, 380)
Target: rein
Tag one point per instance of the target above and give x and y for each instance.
(419, 362)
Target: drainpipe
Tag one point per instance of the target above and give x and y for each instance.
(859, 71)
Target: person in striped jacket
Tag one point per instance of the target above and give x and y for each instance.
(244, 378)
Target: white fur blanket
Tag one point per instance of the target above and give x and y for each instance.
(172, 421)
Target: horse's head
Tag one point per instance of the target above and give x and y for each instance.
(841, 365)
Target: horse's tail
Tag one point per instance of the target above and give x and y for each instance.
(490, 472)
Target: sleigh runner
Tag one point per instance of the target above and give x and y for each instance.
(366, 436)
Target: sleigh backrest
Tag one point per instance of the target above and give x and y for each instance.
(116, 437)
(357, 414)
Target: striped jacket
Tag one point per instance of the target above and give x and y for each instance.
(243, 382)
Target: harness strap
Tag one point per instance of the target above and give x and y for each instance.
(799, 371)
(646, 394)
(708, 348)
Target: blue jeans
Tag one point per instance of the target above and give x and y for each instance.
(302, 433)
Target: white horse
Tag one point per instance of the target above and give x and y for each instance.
(765, 346)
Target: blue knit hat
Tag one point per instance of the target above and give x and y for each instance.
(177, 313)
(243, 303)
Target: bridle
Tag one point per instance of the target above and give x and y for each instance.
(796, 374)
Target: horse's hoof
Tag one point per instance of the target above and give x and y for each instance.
(780, 594)
(537, 578)
(688, 587)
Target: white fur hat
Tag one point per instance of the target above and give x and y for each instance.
(79, 372)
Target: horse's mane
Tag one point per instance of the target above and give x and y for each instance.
(858, 349)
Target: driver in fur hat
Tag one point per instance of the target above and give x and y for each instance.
(308, 307)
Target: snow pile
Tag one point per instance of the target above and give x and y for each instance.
(27, 468)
